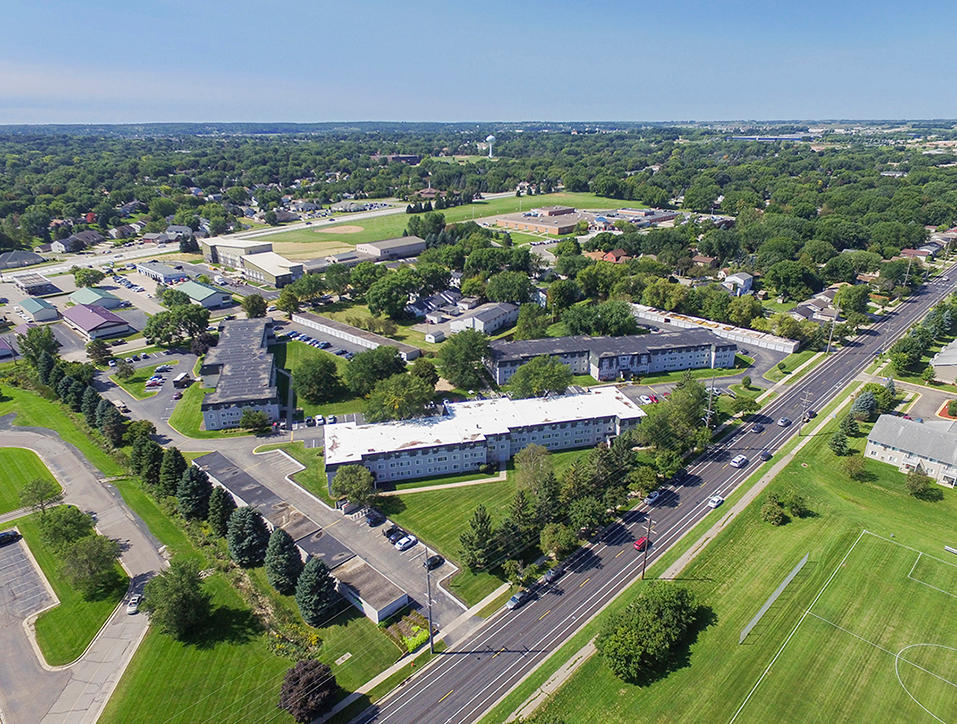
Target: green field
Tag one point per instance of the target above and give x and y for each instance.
(741, 363)
(64, 632)
(736, 573)
(17, 468)
(187, 416)
(136, 385)
(791, 363)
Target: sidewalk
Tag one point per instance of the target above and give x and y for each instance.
(445, 486)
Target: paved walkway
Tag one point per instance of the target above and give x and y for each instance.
(79, 691)
(445, 486)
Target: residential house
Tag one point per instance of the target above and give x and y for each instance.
(945, 363)
(18, 259)
(738, 284)
(487, 318)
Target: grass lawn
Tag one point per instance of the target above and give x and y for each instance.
(313, 478)
(741, 363)
(65, 631)
(443, 480)
(187, 417)
(290, 355)
(822, 667)
(17, 468)
(35, 411)
(136, 385)
(344, 310)
(791, 362)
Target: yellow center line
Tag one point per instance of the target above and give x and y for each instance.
(619, 553)
(493, 656)
(584, 582)
(544, 614)
(445, 697)
(335, 522)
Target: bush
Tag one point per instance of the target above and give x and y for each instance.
(922, 487)
(952, 408)
(773, 513)
(308, 691)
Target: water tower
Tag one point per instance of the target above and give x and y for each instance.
(490, 140)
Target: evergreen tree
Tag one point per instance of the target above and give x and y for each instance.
(523, 516)
(221, 506)
(151, 463)
(850, 427)
(547, 503)
(53, 379)
(890, 387)
(315, 592)
(192, 493)
(247, 536)
(283, 562)
(91, 400)
(838, 443)
(171, 470)
(865, 406)
(113, 426)
(101, 407)
(63, 388)
(478, 540)
(138, 453)
(45, 365)
(75, 396)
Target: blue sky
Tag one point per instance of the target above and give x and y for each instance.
(170, 60)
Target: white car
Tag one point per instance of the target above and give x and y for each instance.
(739, 461)
(714, 501)
(645, 400)
(134, 605)
(652, 497)
(403, 544)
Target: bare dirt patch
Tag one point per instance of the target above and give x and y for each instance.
(348, 229)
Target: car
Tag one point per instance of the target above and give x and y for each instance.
(349, 355)
(739, 461)
(134, 605)
(654, 398)
(553, 574)
(319, 420)
(374, 518)
(386, 532)
(757, 427)
(129, 359)
(764, 455)
(652, 497)
(331, 419)
(714, 501)
(784, 422)
(518, 599)
(323, 344)
(310, 422)
(641, 543)
(177, 395)
(112, 363)
(809, 414)
(9, 536)
(433, 562)
(645, 400)
(403, 544)
(144, 356)
(136, 358)
(396, 535)
(339, 351)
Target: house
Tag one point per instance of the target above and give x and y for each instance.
(156, 238)
(39, 310)
(162, 273)
(945, 363)
(94, 295)
(175, 232)
(928, 447)
(69, 245)
(705, 261)
(738, 284)
(94, 322)
(616, 256)
(18, 259)
(121, 232)
(206, 295)
(487, 318)
(400, 248)
(916, 254)
(467, 303)
(283, 216)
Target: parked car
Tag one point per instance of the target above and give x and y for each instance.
(764, 455)
(9, 536)
(112, 363)
(320, 420)
(374, 518)
(654, 398)
(641, 543)
(518, 599)
(714, 501)
(310, 422)
(177, 395)
(739, 461)
(652, 497)
(134, 605)
(433, 562)
(386, 532)
(397, 536)
(553, 574)
(784, 422)
(403, 544)
(331, 419)
(645, 400)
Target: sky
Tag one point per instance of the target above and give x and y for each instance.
(105, 61)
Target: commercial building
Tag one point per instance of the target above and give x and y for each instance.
(94, 322)
(39, 310)
(34, 284)
(612, 358)
(929, 447)
(361, 337)
(162, 273)
(740, 335)
(230, 252)
(479, 432)
(561, 221)
(241, 370)
(271, 268)
(205, 295)
(94, 295)
(487, 318)
(401, 248)
(6, 349)
(945, 363)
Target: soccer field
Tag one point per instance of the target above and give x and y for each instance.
(877, 643)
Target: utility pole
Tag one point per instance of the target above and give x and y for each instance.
(710, 397)
(829, 338)
(804, 404)
(910, 260)
(428, 585)
(644, 560)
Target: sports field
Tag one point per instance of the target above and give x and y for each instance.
(877, 643)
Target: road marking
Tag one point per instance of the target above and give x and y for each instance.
(445, 697)
(544, 614)
(584, 582)
(619, 553)
(493, 656)
(335, 522)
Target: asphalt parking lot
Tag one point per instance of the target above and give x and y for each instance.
(22, 591)
(336, 342)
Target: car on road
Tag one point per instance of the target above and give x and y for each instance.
(518, 599)
(714, 501)
(642, 543)
(112, 363)
(9, 536)
(809, 415)
(645, 400)
(764, 455)
(177, 395)
(652, 497)
(374, 518)
(757, 427)
(553, 574)
(739, 461)
(134, 605)
(784, 422)
(433, 562)
(403, 544)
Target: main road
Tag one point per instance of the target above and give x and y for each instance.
(467, 680)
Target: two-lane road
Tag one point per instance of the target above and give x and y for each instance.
(466, 681)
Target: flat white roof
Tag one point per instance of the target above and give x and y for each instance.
(271, 262)
(237, 243)
(473, 421)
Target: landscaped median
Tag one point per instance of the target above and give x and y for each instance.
(17, 468)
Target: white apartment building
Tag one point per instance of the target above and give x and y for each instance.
(930, 447)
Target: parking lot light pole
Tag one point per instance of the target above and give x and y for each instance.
(428, 586)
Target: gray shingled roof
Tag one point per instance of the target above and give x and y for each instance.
(604, 346)
(934, 440)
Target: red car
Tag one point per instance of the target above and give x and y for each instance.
(654, 398)
(641, 543)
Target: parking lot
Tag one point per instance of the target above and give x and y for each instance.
(333, 342)
(22, 591)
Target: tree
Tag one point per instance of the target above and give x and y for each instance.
(246, 537)
(113, 426)
(425, 370)
(171, 470)
(532, 463)
(150, 464)
(850, 427)
(389, 296)
(355, 483)
(315, 592)
(254, 306)
(921, 486)
(89, 563)
(743, 310)
(175, 599)
(316, 379)
(192, 493)
(462, 358)
(586, 514)
(746, 382)
(928, 375)
(91, 400)
(283, 562)
(399, 397)
(773, 513)
(557, 540)
(35, 342)
(538, 376)
(509, 286)
(256, 421)
(367, 368)
(337, 278)
(98, 351)
(744, 404)
(86, 276)
(547, 500)
(45, 364)
(308, 691)
(221, 506)
(364, 275)
(638, 642)
(288, 301)
(533, 322)
(561, 295)
(838, 443)
(854, 467)
(477, 540)
(124, 370)
(174, 298)
(852, 299)
(139, 430)
(865, 406)
(64, 524)
(39, 494)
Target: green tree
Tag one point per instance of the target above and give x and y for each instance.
(174, 298)
(124, 370)
(921, 486)
(462, 358)
(425, 370)
(743, 404)
(539, 376)
(850, 427)
(63, 525)
(389, 296)
(86, 276)
(98, 351)
(221, 506)
(547, 500)
(256, 421)
(316, 379)
(39, 494)
(113, 426)
(865, 406)
(288, 302)
(561, 295)
(247, 537)
(192, 493)
(171, 470)
(309, 691)
(283, 562)
(151, 464)
(254, 305)
(773, 513)
(364, 275)
(356, 483)
(175, 599)
(316, 593)
(367, 368)
(337, 277)
(399, 397)
(533, 322)
(477, 540)
(91, 400)
(35, 341)
(509, 286)
(586, 514)
(838, 443)
(852, 299)
(89, 564)
(854, 467)
(532, 463)
(557, 540)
